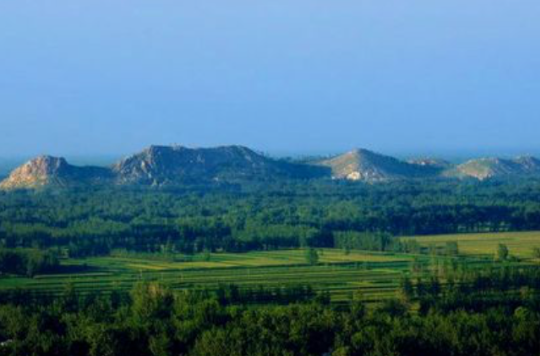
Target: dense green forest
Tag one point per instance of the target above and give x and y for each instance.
(262, 217)
(461, 306)
(27, 262)
(491, 312)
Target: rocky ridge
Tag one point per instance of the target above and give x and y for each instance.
(173, 165)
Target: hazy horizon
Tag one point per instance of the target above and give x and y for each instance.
(94, 79)
(455, 156)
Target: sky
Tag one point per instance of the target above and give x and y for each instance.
(102, 77)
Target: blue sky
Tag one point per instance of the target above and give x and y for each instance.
(304, 76)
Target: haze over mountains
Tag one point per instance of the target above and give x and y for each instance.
(172, 165)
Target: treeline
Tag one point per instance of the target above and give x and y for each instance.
(458, 287)
(262, 217)
(231, 294)
(27, 262)
(152, 320)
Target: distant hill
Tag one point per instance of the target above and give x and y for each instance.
(159, 165)
(365, 165)
(46, 171)
(436, 163)
(162, 165)
(176, 165)
(486, 168)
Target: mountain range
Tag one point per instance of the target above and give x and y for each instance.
(170, 165)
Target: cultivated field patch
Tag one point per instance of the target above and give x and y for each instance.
(520, 244)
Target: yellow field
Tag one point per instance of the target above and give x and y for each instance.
(520, 244)
(250, 259)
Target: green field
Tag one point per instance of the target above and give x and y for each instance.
(520, 244)
(375, 275)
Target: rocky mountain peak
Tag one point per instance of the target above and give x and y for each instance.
(365, 165)
(160, 165)
(35, 173)
(46, 165)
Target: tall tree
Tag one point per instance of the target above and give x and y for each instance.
(312, 256)
(502, 252)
